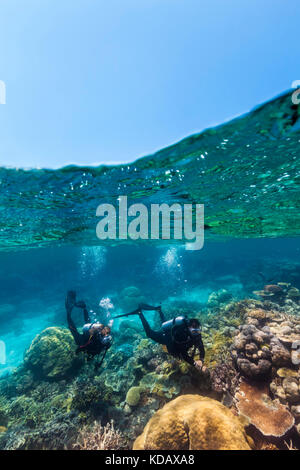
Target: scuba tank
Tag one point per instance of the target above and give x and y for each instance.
(178, 330)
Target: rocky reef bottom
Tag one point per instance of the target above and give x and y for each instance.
(247, 398)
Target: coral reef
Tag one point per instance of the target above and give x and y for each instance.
(279, 293)
(264, 342)
(56, 399)
(218, 298)
(192, 422)
(286, 387)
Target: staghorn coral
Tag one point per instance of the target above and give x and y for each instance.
(100, 437)
(193, 422)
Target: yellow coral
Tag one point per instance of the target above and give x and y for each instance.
(193, 422)
(220, 344)
(133, 396)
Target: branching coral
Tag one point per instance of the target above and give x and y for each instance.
(100, 437)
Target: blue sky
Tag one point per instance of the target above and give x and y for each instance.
(92, 81)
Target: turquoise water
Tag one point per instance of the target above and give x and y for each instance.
(246, 173)
(34, 282)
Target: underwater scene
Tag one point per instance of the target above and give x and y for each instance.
(209, 357)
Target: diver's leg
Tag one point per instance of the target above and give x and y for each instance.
(70, 300)
(70, 303)
(157, 309)
(162, 316)
(157, 336)
(86, 316)
(76, 335)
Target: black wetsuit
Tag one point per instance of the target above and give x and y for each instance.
(91, 344)
(164, 336)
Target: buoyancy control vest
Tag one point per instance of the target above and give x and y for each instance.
(176, 330)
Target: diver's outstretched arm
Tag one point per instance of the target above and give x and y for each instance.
(190, 360)
(201, 349)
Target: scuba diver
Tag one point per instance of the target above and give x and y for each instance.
(95, 337)
(178, 334)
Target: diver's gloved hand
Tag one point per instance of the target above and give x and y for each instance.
(80, 304)
(199, 366)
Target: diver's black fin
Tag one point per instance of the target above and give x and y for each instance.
(150, 307)
(135, 312)
(70, 299)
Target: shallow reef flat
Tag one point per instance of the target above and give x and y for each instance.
(56, 400)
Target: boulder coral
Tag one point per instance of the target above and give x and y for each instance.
(130, 298)
(52, 353)
(265, 341)
(193, 422)
(133, 396)
(286, 386)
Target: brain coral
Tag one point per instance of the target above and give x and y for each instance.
(193, 422)
(51, 353)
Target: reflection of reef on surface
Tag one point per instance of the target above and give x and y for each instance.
(57, 400)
